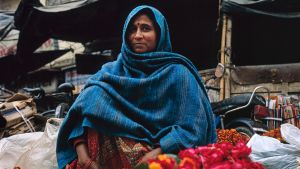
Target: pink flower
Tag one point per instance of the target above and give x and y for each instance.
(240, 151)
(222, 165)
(189, 163)
(191, 153)
(223, 155)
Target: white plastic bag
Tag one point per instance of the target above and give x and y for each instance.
(273, 154)
(290, 134)
(31, 150)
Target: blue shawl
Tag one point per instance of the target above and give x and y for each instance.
(155, 97)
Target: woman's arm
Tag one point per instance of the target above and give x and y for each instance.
(82, 153)
(84, 159)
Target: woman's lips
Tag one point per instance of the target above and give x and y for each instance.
(139, 45)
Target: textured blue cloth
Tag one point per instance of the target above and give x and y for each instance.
(155, 97)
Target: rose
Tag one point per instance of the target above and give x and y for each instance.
(240, 151)
(222, 165)
(190, 152)
(213, 156)
(166, 161)
(189, 163)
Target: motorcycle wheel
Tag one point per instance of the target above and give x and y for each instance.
(245, 132)
(61, 110)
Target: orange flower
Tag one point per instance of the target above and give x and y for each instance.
(188, 163)
(155, 165)
(164, 157)
(229, 135)
(275, 133)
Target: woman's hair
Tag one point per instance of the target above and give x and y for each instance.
(151, 16)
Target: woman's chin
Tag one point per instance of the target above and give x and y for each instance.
(139, 50)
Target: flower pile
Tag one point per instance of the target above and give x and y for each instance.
(230, 135)
(214, 156)
(275, 133)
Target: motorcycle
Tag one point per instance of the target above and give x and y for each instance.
(238, 112)
(244, 112)
(54, 104)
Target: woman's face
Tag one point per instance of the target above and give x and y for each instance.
(142, 36)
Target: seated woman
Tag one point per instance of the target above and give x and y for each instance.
(149, 101)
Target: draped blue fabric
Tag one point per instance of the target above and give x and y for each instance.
(155, 97)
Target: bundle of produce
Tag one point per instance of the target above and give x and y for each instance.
(230, 135)
(213, 156)
(275, 133)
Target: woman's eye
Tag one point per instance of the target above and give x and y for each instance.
(132, 29)
(146, 28)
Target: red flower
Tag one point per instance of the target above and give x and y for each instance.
(166, 161)
(191, 153)
(240, 151)
(162, 162)
(154, 164)
(223, 165)
(213, 156)
(239, 165)
(189, 163)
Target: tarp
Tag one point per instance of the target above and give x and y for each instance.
(11, 68)
(77, 21)
(11, 65)
(264, 32)
(8, 35)
(288, 9)
(6, 18)
(192, 24)
(94, 62)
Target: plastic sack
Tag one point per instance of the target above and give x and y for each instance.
(31, 150)
(273, 154)
(290, 134)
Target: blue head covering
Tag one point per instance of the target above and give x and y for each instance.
(155, 97)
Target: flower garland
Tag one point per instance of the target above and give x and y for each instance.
(231, 136)
(275, 133)
(213, 156)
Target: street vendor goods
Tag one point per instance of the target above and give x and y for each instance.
(34, 150)
(17, 115)
(275, 133)
(276, 155)
(230, 135)
(213, 156)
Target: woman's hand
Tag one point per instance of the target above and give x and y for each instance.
(151, 155)
(84, 159)
(82, 153)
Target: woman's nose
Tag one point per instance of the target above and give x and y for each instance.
(138, 34)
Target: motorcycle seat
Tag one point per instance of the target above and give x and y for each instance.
(66, 87)
(37, 92)
(236, 101)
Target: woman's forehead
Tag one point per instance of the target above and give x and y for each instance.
(142, 19)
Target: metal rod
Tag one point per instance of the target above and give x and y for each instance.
(250, 100)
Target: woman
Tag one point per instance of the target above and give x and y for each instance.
(149, 101)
